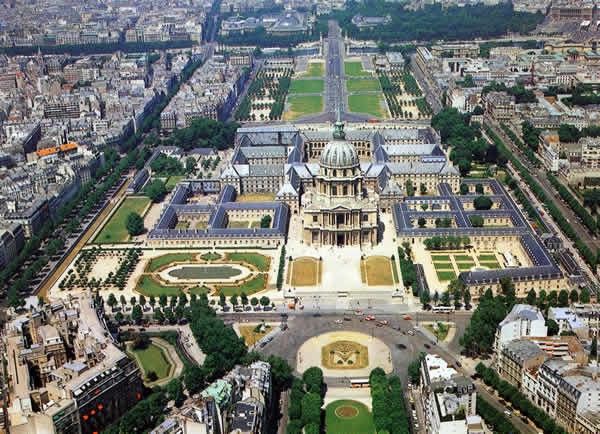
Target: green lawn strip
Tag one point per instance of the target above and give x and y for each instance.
(307, 86)
(442, 265)
(156, 263)
(254, 285)
(262, 262)
(149, 286)
(462, 266)
(172, 182)
(154, 359)
(115, 231)
(441, 258)
(446, 275)
(395, 271)
(362, 85)
(355, 69)
(483, 258)
(370, 104)
(362, 423)
(491, 265)
(304, 105)
(210, 256)
(463, 258)
(200, 290)
(315, 69)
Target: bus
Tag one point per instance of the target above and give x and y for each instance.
(364, 382)
(443, 309)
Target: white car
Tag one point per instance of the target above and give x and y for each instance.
(338, 321)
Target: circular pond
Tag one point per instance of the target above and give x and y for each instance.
(203, 272)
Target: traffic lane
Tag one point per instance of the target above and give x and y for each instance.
(515, 420)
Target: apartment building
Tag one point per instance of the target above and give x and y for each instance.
(523, 320)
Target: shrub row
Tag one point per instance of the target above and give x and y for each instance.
(526, 150)
(389, 411)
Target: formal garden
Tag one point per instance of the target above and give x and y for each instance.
(314, 69)
(344, 355)
(448, 265)
(378, 271)
(307, 86)
(302, 105)
(211, 273)
(372, 104)
(154, 361)
(355, 69)
(346, 416)
(305, 271)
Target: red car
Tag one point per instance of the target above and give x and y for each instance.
(407, 318)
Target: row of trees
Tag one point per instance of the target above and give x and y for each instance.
(77, 50)
(407, 268)
(305, 403)
(434, 22)
(562, 222)
(204, 133)
(261, 38)
(519, 401)
(458, 289)
(545, 300)
(527, 150)
(574, 204)
(493, 417)
(389, 411)
(281, 266)
(437, 243)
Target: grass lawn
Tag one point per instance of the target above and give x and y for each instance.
(362, 85)
(200, 290)
(395, 271)
(182, 225)
(115, 231)
(440, 258)
(446, 275)
(345, 416)
(255, 285)
(201, 225)
(442, 265)
(256, 197)
(153, 359)
(305, 272)
(211, 256)
(172, 182)
(441, 332)
(250, 336)
(491, 265)
(483, 258)
(303, 105)
(315, 69)
(463, 258)
(354, 69)
(238, 224)
(463, 266)
(307, 86)
(156, 263)
(379, 271)
(370, 104)
(148, 286)
(261, 261)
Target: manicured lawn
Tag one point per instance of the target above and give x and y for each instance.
(463, 266)
(305, 272)
(370, 104)
(362, 85)
(303, 105)
(345, 416)
(463, 258)
(442, 265)
(211, 256)
(446, 275)
(256, 197)
(483, 258)
(379, 271)
(153, 359)
(156, 263)
(261, 261)
(172, 182)
(149, 286)
(307, 86)
(354, 69)
(255, 285)
(115, 231)
(200, 290)
(238, 224)
(315, 69)
(491, 265)
(441, 258)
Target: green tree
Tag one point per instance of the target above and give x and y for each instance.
(552, 327)
(123, 300)
(482, 203)
(265, 222)
(313, 378)
(222, 301)
(193, 378)
(464, 189)
(553, 298)
(190, 164)
(531, 296)
(244, 298)
(142, 301)
(233, 299)
(112, 300)
(425, 298)
(134, 224)
(155, 191)
(467, 296)
(584, 296)
(159, 315)
(254, 301)
(152, 302)
(175, 390)
(311, 408)
(162, 301)
(574, 296)
(446, 298)
(422, 222)
(265, 301)
(478, 188)
(476, 221)
(136, 314)
(563, 298)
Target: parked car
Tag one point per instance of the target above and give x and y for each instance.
(267, 308)
(248, 308)
(458, 364)
(257, 308)
(338, 321)
(427, 346)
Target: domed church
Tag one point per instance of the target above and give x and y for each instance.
(338, 212)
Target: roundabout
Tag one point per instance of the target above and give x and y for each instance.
(344, 354)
